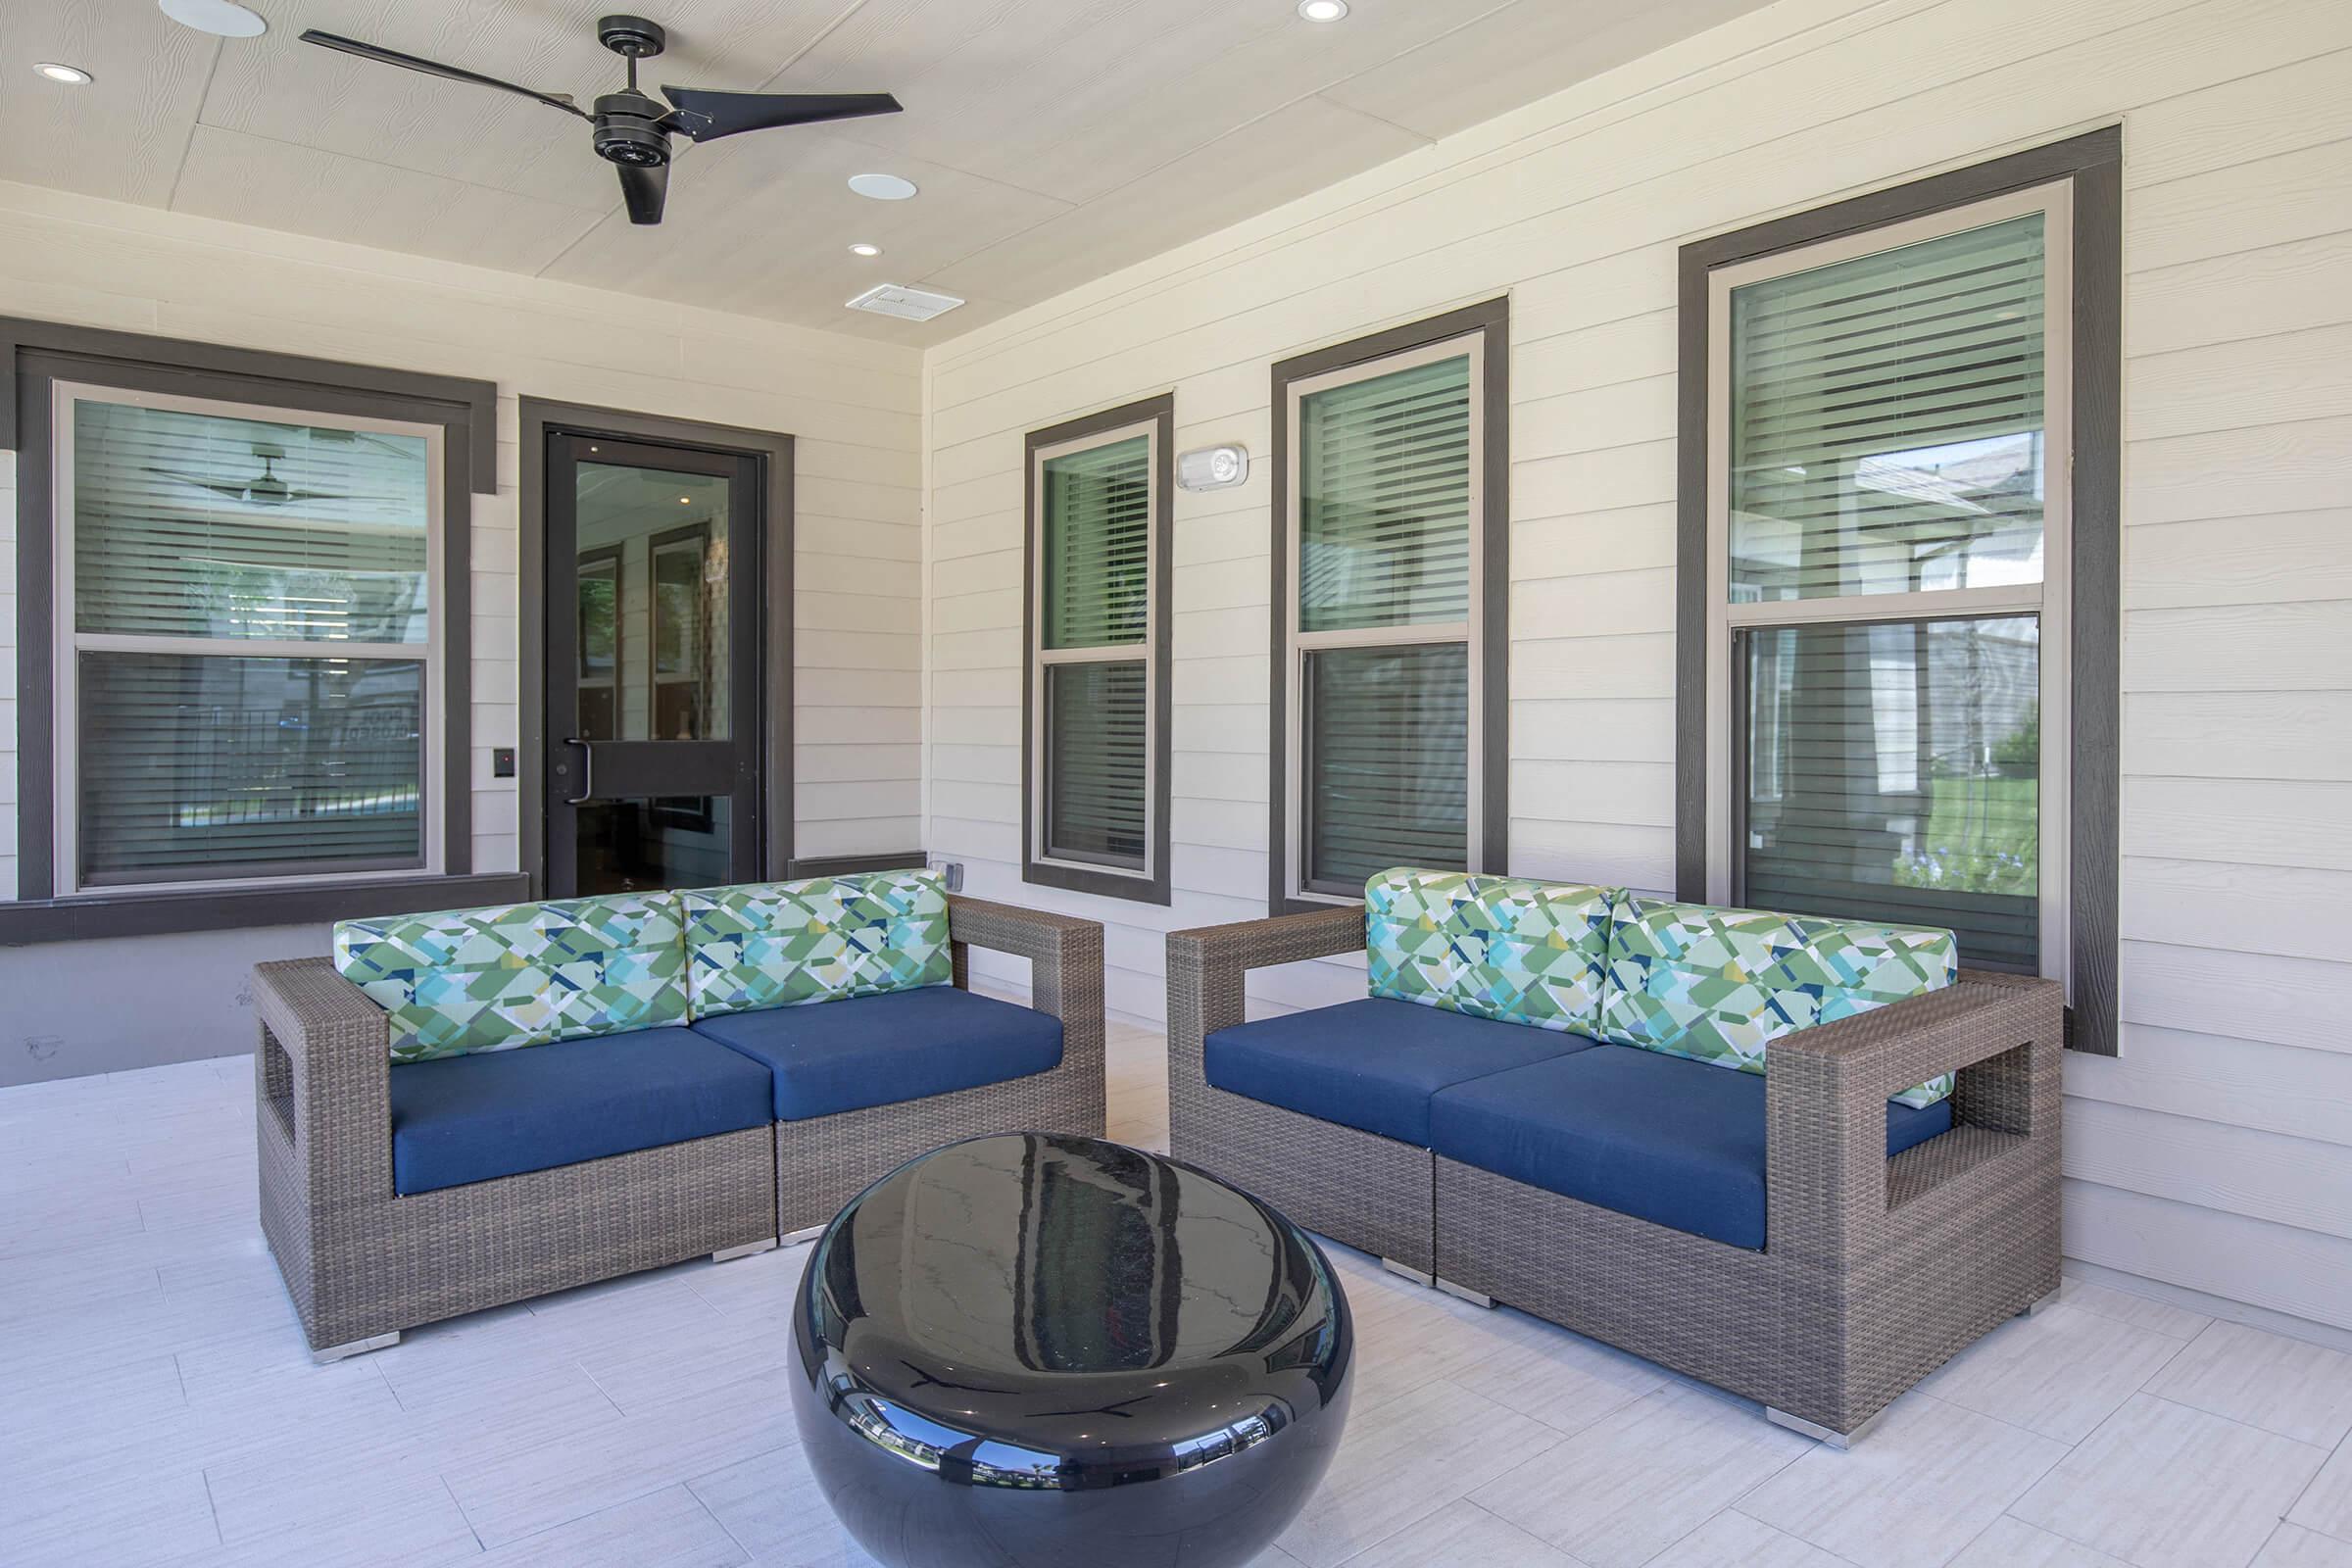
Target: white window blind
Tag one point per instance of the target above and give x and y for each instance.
(1889, 516)
(1385, 541)
(1888, 420)
(1093, 718)
(1383, 499)
(245, 644)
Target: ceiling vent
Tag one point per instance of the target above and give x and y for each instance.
(907, 304)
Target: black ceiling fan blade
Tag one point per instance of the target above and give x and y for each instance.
(645, 187)
(703, 114)
(434, 67)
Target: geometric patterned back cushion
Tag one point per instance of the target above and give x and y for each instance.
(1493, 946)
(1720, 985)
(783, 944)
(519, 974)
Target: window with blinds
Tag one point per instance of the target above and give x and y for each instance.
(1385, 542)
(1093, 724)
(246, 666)
(1890, 526)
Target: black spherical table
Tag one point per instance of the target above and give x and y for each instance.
(1034, 1352)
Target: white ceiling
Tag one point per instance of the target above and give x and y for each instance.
(1055, 140)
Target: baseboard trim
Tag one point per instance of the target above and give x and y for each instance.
(2326, 1335)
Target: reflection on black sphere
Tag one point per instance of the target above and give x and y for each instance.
(1034, 1352)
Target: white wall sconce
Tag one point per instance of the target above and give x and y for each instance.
(1212, 468)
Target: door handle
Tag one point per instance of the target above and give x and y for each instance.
(587, 772)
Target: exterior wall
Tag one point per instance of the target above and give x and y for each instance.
(853, 405)
(2216, 1154)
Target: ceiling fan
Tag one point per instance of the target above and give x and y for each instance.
(265, 489)
(632, 130)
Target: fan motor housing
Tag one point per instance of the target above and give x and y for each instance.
(628, 129)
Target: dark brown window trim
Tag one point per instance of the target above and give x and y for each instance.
(1160, 414)
(36, 354)
(2093, 161)
(773, 452)
(143, 914)
(1493, 318)
(329, 381)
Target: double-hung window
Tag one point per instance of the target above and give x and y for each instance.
(1388, 532)
(1095, 805)
(247, 643)
(1892, 659)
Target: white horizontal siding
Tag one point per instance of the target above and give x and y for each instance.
(2209, 1154)
(855, 409)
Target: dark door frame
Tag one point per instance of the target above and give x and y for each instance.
(649, 765)
(772, 713)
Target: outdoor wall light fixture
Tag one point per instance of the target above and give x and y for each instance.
(1212, 468)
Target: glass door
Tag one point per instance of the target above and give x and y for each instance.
(652, 666)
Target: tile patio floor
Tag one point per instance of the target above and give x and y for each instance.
(157, 1406)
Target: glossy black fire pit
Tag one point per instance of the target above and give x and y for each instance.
(1031, 1352)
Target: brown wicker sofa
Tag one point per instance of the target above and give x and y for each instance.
(1871, 1272)
(365, 1260)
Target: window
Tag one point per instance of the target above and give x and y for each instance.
(1390, 523)
(1095, 795)
(247, 641)
(1894, 644)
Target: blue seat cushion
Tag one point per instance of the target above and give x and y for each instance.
(1371, 1064)
(496, 1113)
(832, 1057)
(1665, 1138)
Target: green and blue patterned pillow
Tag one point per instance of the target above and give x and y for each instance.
(495, 979)
(783, 944)
(1720, 985)
(1493, 946)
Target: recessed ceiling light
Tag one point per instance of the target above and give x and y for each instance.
(222, 18)
(685, 501)
(1322, 10)
(71, 75)
(882, 187)
(865, 250)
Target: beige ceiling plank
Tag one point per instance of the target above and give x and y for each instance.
(1298, 148)
(287, 90)
(252, 179)
(762, 225)
(1055, 140)
(1518, 54)
(121, 136)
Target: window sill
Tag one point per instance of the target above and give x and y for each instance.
(90, 917)
(1105, 884)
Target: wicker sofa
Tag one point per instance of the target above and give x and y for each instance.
(680, 1098)
(1794, 1237)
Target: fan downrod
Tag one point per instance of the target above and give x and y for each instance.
(631, 38)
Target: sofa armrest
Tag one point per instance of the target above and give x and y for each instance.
(1209, 966)
(1065, 964)
(1827, 1177)
(322, 1079)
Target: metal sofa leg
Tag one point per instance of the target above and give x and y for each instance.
(338, 1352)
(795, 1238)
(2037, 1308)
(1819, 1432)
(727, 1254)
(1419, 1276)
(1463, 1291)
